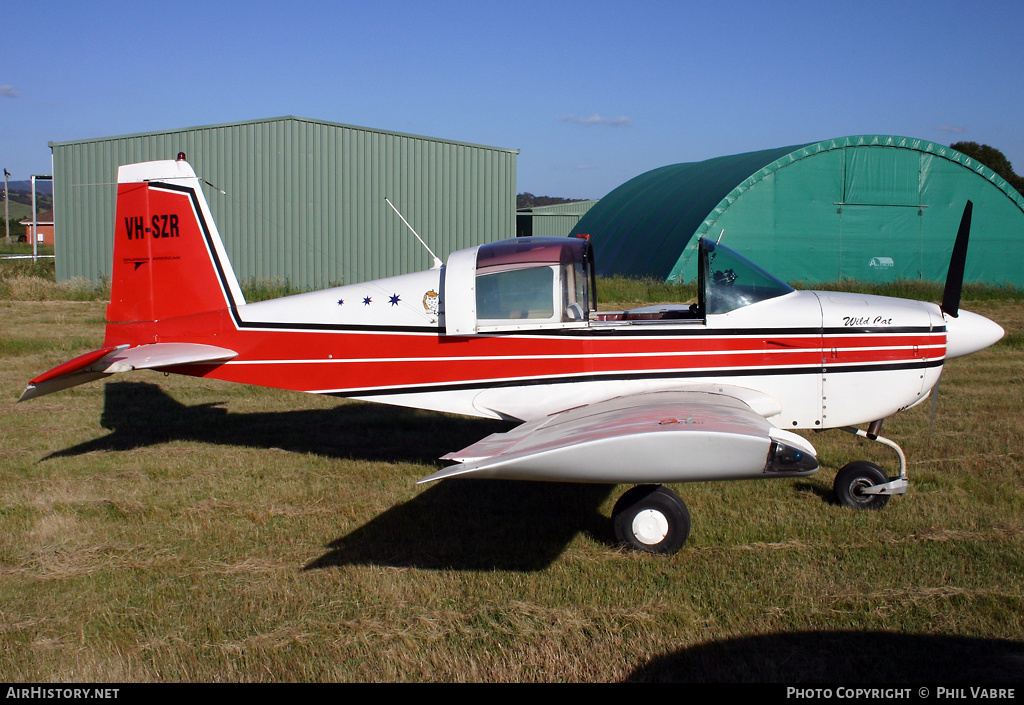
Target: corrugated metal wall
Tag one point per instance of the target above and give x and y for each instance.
(305, 198)
(551, 221)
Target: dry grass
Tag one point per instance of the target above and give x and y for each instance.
(172, 529)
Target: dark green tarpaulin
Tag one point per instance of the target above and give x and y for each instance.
(871, 208)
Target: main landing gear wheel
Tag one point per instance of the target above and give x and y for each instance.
(651, 518)
(856, 477)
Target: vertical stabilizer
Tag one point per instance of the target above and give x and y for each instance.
(169, 260)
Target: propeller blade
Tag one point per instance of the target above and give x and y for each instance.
(955, 275)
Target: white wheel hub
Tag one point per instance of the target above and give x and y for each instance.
(650, 527)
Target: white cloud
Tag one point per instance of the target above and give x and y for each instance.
(8, 91)
(595, 119)
(955, 129)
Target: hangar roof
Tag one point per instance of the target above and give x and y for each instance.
(643, 225)
(870, 191)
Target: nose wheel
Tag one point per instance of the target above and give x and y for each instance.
(651, 518)
(854, 482)
(862, 484)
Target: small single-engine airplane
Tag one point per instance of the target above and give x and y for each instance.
(511, 330)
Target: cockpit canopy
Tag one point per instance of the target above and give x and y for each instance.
(535, 280)
(729, 281)
(549, 282)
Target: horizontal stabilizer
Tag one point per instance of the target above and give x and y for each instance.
(106, 361)
(655, 437)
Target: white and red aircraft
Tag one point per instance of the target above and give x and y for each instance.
(510, 330)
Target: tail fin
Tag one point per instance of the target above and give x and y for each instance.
(169, 260)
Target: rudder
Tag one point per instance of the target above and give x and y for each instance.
(169, 260)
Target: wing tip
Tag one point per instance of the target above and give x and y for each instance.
(445, 473)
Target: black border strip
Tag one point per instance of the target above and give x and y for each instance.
(208, 237)
(600, 333)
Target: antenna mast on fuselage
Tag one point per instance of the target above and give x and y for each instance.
(437, 262)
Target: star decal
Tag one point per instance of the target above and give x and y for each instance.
(366, 301)
(341, 302)
(394, 299)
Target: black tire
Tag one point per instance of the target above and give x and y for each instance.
(651, 518)
(855, 477)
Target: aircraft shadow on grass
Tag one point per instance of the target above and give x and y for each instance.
(455, 524)
(843, 657)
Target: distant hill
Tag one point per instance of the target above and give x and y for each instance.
(20, 201)
(528, 200)
(19, 197)
(18, 211)
(26, 186)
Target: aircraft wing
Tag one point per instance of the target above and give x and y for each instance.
(122, 358)
(655, 437)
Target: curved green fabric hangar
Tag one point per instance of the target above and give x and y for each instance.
(867, 208)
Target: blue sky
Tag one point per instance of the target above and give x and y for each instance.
(592, 93)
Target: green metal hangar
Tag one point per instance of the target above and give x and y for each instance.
(303, 199)
(869, 208)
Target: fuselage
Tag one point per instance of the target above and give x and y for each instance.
(826, 359)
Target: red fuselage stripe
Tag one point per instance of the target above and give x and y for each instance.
(340, 361)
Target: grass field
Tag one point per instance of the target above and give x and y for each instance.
(173, 529)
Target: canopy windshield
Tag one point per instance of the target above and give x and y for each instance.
(731, 281)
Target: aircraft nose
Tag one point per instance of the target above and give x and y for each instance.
(969, 332)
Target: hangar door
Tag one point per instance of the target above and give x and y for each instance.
(881, 217)
(879, 243)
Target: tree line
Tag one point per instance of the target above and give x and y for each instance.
(528, 200)
(993, 159)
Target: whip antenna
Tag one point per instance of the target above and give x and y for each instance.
(437, 262)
